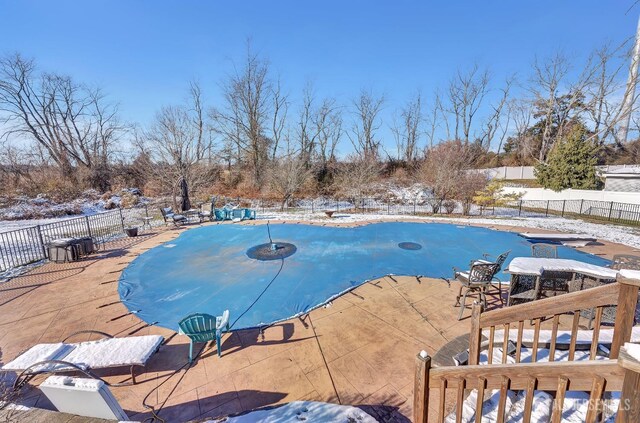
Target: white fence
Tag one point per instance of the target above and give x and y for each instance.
(526, 172)
(575, 194)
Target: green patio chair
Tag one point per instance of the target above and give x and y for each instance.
(249, 214)
(237, 215)
(201, 327)
(220, 214)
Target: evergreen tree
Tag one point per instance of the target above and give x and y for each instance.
(571, 163)
(492, 196)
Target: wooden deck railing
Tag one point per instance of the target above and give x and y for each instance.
(434, 385)
(624, 294)
(441, 390)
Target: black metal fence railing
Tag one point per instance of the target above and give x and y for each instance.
(28, 245)
(609, 211)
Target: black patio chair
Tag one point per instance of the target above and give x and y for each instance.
(170, 217)
(475, 281)
(542, 250)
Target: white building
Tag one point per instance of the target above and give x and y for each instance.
(622, 180)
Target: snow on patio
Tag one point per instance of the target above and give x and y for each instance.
(298, 411)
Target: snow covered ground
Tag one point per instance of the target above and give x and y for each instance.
(613, 233)
(90, 202)
(302, 411)
(12, 225)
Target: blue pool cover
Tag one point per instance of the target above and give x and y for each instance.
(207, 270)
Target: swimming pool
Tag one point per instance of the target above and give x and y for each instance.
(208, 270)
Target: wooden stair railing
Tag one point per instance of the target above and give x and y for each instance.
(433, 386)
(623, 293)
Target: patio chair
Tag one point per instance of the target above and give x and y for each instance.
(221, 214)
(500, 262)
(83, 357)
(542, 250)
(170, 217)
(625, 261)
(211, 213)
(249, 214)
(201, 327)
(237, 215)
(475, 281)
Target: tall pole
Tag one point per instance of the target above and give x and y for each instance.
(630, 93)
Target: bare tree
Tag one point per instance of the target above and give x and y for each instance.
(328, 123)
(279, 117)
(407, 131)
(306, 132)
(177, 142)
(466, 94)
(433, 120)
(553, 107)
(498, 121)
(289, 174)
(606, 94)
(357, 177)
(248, 113)
(363, 135)
(72, 124)
(441, 170)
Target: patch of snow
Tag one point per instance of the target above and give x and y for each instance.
(537, 266)
(109, 352)
(633, 350)
(630, 273)
(89, 203)
(300, 411)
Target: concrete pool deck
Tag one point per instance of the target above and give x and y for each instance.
(358, 351)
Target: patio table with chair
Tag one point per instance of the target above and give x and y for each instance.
(533, 278)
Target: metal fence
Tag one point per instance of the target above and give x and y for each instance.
(609, 211)
(28, 245)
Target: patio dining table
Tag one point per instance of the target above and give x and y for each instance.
(530, 275)
(194, 214)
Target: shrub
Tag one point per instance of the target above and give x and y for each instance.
(449, 206)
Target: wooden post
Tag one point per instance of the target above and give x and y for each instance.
(627, 300)
(421, 388)
(475, 334)
(629, 408)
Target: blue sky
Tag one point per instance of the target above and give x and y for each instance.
(144, 52)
